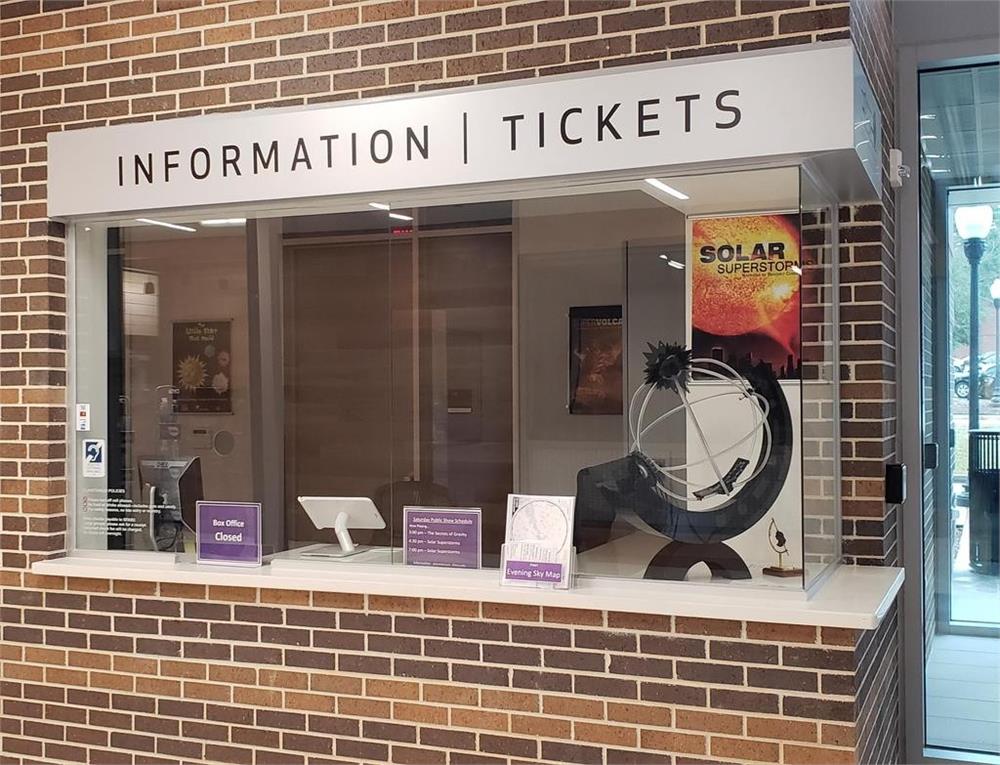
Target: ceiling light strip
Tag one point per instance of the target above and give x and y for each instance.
(164, 224)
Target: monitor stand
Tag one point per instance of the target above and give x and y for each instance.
(347, 547)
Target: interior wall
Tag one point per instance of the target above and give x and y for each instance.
(466, 352)
(360, 385)
(571, 252)
(656, 312)
(198, 279)
(916, 23)
(338, 380)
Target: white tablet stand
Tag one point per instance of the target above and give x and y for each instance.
(341, 514)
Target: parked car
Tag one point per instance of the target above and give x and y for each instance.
(960, 366)
(987, 380)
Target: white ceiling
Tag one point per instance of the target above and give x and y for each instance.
(747, 191)
(960, 123)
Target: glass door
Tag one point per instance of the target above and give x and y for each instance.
(960, 348)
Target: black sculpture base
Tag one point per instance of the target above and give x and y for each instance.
(676, 559)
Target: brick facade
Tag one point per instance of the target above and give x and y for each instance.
(105, 671)
(84, 676)
(868, 321)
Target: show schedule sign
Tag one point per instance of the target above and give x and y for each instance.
(442, 537)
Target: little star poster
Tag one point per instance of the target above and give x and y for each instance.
(203, 366)
(745, 291)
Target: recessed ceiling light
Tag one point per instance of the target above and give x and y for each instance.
(86, 228)
(400, 216)
(175, 226)
(656, 183)
(224, 222)
(379, 205)
(670, 261)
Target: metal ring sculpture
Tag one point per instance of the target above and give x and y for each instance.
(636, 484)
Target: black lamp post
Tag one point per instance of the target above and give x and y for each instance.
(973, 224)
(995, 294)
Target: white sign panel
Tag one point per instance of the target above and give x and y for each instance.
(83, 417)
(756, 106)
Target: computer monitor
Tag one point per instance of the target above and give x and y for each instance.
(171, 489)
(341, 514)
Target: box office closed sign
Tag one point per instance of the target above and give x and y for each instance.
(229, 533)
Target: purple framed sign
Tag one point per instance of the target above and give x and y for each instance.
(229, 533)
(445, 537)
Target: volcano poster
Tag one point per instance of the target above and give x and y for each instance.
(745, 291)
(595, 359)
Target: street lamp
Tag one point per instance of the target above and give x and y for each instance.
(995, 294)
(973, 224)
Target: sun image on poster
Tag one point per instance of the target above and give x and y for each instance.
(202, 366)
(595, 360)
(745, 291)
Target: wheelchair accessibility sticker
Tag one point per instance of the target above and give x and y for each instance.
(93, 458)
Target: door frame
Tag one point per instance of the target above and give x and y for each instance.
(911, 60)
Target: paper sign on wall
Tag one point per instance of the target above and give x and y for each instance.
(83, 417)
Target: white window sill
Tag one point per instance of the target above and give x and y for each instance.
(854, 597)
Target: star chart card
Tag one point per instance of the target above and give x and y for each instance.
(538, 548)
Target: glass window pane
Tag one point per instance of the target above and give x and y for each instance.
(959, 191)
(635, 345)
(171, 420)
(820, 361)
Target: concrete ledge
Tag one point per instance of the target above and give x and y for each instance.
(854, 597)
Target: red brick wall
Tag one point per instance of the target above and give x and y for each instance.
(65, 66)
(868, 321)
(128, 672)
(125, 672)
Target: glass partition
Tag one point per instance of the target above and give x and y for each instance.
(821, 450)
(661, 349)
(163, 355)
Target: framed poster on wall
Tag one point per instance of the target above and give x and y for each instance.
(595, 359)
(202, 366)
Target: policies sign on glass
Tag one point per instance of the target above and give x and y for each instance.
(667, 114)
